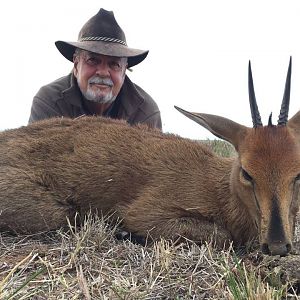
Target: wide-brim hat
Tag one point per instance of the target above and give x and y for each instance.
(102, 34)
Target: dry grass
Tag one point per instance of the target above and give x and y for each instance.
(220, 147)
(89, 262)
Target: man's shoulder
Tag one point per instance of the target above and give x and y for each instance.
(147, 108)
(54, 90)
(140, 106)
(148, 100)
(141, 98)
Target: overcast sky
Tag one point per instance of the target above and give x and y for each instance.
(198, 59)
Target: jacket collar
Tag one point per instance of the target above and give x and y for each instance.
(131, 99)
(72, 94)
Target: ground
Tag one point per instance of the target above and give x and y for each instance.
(90, 263)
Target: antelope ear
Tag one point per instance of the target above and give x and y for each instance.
(294, 123)
(223, 128)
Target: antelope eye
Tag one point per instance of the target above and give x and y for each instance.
(297, 177)
(247, 176)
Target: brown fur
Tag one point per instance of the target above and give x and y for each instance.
(159, 184)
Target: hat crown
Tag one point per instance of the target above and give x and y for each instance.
(103, 25)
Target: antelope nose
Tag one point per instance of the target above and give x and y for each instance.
(278, 248)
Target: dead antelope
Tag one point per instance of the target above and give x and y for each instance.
(159, 184)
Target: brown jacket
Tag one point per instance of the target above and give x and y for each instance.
(62, 98)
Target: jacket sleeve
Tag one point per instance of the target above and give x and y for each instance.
(154, 120)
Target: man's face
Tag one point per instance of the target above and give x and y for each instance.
(99, 77)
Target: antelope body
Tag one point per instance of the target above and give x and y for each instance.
(161, 185)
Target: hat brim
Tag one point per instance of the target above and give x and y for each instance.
(134, 56)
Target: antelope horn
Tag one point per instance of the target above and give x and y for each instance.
(270, 120)
(256, 120)
(284, 111)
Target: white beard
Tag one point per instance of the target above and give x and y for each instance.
(96, 95)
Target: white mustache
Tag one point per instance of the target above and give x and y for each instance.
(99, 80)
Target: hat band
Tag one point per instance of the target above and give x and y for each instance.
(103, 39)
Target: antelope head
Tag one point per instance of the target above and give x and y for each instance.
(266, 173)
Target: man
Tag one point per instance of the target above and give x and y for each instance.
(98, 84)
